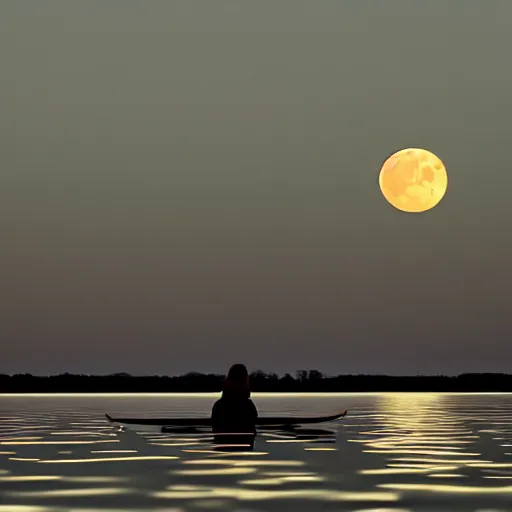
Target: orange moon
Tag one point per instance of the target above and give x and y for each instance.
(413, 180)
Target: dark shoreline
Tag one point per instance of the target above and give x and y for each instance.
(310, 381)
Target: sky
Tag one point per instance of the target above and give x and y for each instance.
(189, 184)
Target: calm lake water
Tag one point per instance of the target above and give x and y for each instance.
(392, 453)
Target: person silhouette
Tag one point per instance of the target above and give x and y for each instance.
(234, 415)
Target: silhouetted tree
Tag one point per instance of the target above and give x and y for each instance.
(315, 375)
(302, 375)
(311, 380)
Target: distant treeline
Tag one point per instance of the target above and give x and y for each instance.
(303, 381)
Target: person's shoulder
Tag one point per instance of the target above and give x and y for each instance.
(251, 404)
(217, 409)
(218, 403)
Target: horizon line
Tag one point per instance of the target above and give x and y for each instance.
(263, 373)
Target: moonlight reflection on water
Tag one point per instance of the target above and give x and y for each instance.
(393, 452)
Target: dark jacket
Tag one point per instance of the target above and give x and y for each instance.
(234, 413)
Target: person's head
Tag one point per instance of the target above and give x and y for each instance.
(237, 380)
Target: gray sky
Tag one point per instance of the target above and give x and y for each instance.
(187, 184)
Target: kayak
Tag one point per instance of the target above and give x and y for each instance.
(268, 421)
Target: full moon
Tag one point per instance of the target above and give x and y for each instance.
(413, 180)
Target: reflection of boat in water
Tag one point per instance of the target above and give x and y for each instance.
(202, 435)
(306, 435)
(282, 429)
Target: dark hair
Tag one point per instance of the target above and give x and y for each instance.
(236, 384)
(238, 373)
